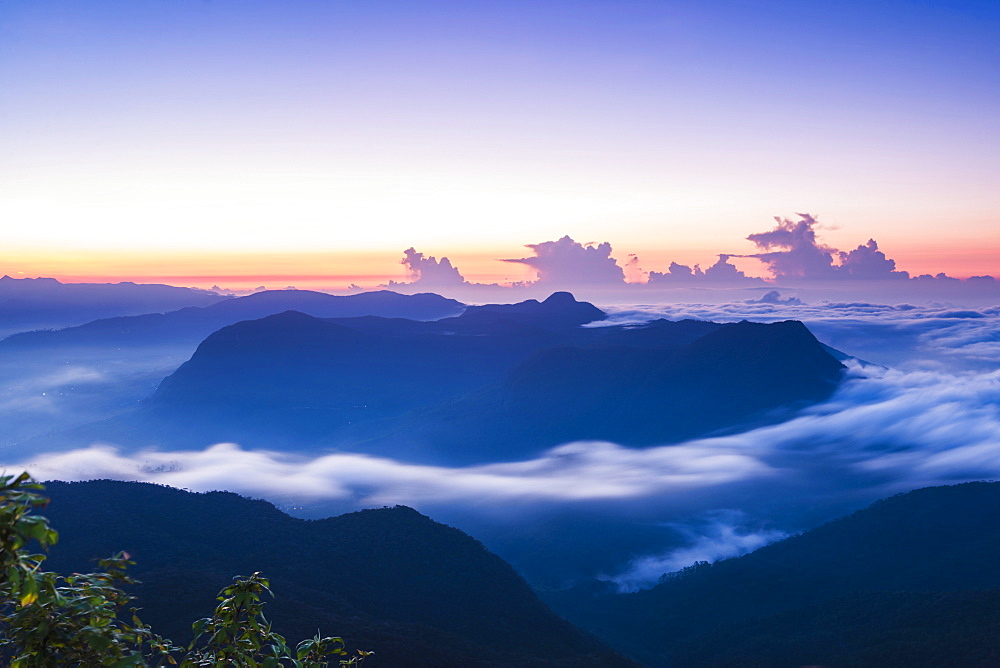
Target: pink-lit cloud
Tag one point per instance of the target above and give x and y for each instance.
(429, 271)
(568, 262)
(792, 250)
(722, 272)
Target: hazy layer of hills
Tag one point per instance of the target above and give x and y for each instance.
(496, 382)
(193, 323)
(33, 303)
(910, 581)
(417, 592)
(89, 372)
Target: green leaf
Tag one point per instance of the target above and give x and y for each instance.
(29, 591)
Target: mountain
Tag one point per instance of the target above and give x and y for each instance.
(559, 311)
(911, 580)
(98, 370)
(192, 324)
(662, 383)
(391, 580)
(497, 382)
(33, 303)
(892, 629)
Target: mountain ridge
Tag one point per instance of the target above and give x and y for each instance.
(920, 544)
(193, 323)
(499, 382)
(381, 577)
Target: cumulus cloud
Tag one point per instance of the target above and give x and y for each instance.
(723, 271)
(937, 277)
(567, 262)
(429, 271)
(867, 261)
(774, 297)
(633, 272)
(720, 535)
(677, 272)
(792, 250)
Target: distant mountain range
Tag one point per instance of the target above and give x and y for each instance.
(910, 581)
(193, 323)
(496, 382)
(93, 371)
(33, 303)
(391, 580)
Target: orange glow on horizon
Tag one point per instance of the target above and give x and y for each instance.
(338, 270)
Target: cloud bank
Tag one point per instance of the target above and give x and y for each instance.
(933, 418)
(722, 271)
(791, 253)
(894, 430)
(567, 262)
(934, 336)
(582, 471)
(792, 250)
(429, 271)
(884, 432)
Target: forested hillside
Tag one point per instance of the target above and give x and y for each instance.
(911, 580)
(391, 580)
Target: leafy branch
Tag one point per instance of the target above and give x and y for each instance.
(48, 619)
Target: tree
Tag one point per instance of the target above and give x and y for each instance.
(47, 619)
(238, 634)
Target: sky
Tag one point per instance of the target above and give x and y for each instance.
(213, 141)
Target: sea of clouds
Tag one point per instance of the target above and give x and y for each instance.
(922, 408)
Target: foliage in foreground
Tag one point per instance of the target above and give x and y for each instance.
(77, 620)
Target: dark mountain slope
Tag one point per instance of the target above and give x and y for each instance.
(640, 386)
(885, 629)
(335, 373)
(192, 324)
(417, 592)
(938, 539)
(497, 382)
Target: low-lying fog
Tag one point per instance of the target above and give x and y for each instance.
(925, 410)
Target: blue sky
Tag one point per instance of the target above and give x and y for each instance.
(185, 130)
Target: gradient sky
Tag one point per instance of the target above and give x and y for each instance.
(144, 138)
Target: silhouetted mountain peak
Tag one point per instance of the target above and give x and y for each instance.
(289, 317)
(560, 310)
(560, 297)
(31, 281)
